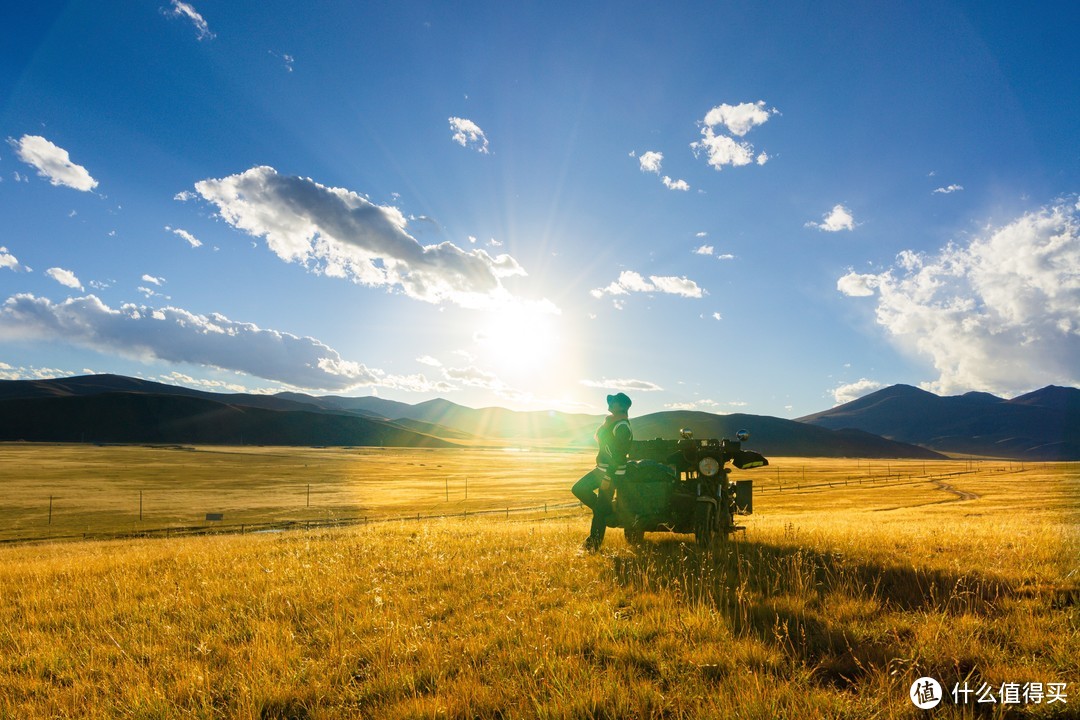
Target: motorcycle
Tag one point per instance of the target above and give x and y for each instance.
(683, 486)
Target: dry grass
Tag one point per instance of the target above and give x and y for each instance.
(98, 490)
(831, 605)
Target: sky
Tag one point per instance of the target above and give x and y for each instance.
(766, 208)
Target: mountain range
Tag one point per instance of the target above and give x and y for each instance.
(1041, 425)
(900, 421)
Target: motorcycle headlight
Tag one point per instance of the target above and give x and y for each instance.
(709, 466)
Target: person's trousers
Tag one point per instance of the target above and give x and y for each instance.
(588, 491)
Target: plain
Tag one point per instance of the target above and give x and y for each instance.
(852, 580)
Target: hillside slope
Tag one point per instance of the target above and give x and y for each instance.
(1042, 425)
(126, 417)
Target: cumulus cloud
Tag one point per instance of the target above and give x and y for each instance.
(466, 133)
(153, 280)
(53, 162)
(8, 372)
(623, 384)
(339, 233)
(998, 314)
(191, 239)
(650, 161)
(704, 404)
(9, 261)
(949, 189)
(737, 120)
(837, 219)
(853, 391)
(185, 10)
(630, 281)
(857, 284)
(705, 250)
(675, 184)
(64, 277)
(176, 335)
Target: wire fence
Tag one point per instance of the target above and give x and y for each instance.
(220, 528)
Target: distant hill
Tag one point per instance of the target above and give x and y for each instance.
(140, 417)
(776, 436)
(1042, 425)
(900, 421)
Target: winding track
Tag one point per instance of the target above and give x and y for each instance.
(961, 495)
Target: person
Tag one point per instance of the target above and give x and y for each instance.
(597, 488)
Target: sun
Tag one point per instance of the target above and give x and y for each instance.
(520, 340)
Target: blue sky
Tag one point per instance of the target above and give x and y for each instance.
(733, 207)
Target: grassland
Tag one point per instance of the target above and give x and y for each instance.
(849, 583)
(95, 490)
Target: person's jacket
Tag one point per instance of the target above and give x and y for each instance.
(614, 438)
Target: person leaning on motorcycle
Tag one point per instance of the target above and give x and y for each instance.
(597, 489)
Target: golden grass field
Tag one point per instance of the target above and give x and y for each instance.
(846, 587)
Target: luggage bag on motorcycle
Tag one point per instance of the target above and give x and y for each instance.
(646, 490)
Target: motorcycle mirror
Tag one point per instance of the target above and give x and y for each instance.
(742, 435)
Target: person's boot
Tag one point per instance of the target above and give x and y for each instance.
(596, 534)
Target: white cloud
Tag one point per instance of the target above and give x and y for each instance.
(725, 256)
(183, 9)
(64, 277)
(737, 120)
(339, 233)
(184, 196)
(695, 405)
(857, 285)
(717, 316)
(722, 150)
(623, 384)
(1000, 314)
(853, 391)
(429, 361)
(949, 189)
(650, 161)
(191, 239)
(675, 184)
(53, 162)
(7, 372)
(702, 234)
(705, 250)
(630, 281)
(153, 280)
(9, 261)
(473, 376)
(468, 134)
(837, 219)
(175, 335)
(179, 378)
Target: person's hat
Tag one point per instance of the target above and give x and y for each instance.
(619, 399)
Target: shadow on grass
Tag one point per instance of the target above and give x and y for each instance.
(840, 615)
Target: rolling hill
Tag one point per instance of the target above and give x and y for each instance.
(900, 421)
(140, 417)
(776, 436)
(1042, 425)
